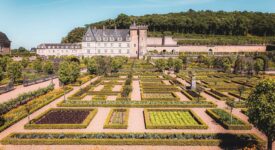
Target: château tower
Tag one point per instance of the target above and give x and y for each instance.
(138, 35)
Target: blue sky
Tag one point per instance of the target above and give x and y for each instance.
(31, 22)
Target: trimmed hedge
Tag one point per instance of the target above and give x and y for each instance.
(218, 95)
(175, 104)
(150, 125)
(239, 124)
(224, 140)
(19, 113)
(124, 125)
(189, 96)
(174, 97)
(84, 124)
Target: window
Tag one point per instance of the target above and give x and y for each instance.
(105, 44)
(135, 45)
(111, 38)
(88, 51)
(112, 51)
(106, 50)
(112, 44)
(105, 38)
(119, 44)
(128, 51)
(119, 38)
(128, 45)
(119, 51)
(88, 45)
(99, 38)
(98, 44)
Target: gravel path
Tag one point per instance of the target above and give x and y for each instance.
(21, 89)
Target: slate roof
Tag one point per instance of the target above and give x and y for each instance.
(106, 35)
(59, 46)
(4, 38)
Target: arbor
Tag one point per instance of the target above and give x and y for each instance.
(48, 67)
(261, 108)
(160, 64)
(14, 70)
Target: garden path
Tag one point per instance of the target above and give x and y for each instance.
(21, 89)
(135, 96)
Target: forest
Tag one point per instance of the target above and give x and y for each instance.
(252, 27)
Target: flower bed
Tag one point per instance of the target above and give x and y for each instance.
(175, 104)
(192, 95)
(224, 140)
(218, 95)
(223, 117)
(172, 119)
(159, 96)
(61, 118)
(117, 119)
(19, 113)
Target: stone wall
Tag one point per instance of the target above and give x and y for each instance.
(191, 48)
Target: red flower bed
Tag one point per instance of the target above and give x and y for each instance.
(63, 117)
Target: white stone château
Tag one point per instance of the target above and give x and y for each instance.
(132, 42)
(105, 42)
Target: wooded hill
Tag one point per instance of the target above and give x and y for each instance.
(246, 24)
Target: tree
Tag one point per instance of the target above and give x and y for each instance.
(116, 63)
(25, 62)
(160, 64)
(170, 63)
(261, 108)
(92, 66)
(68, 72)
(37, 65)
(14, 71)
(103, 65)
(4, 61)
(75, 71)
(48, 67)
(1, 74)
(241, 89)
(177, 65)
(259, 65)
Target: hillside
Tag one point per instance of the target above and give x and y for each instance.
(249, 27)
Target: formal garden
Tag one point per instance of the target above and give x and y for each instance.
(121, 101)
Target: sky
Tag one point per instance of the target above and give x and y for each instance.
(28, 23)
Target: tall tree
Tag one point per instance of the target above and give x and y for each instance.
(261, 109)
(14, 71)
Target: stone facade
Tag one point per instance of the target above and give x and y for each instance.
(5, 44)
(132, 42)
(102, 42)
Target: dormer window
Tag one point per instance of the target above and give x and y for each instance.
(98, 38)
(128, 38)
(105, 38)
(119, 39)
(88, 38)
(112, 39)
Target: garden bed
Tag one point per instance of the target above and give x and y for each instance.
(172, 119)
(117, 119)
(224, 118)
(61, 118)
(159, 96)
(140, 104)
(224, 140)
(192, 95)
